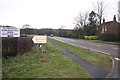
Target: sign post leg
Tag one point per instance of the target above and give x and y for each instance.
(37, 50)
(18, 48)
(42, 49)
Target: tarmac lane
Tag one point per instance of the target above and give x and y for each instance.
(109, 49)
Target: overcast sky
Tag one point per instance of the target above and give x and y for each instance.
(49, 13)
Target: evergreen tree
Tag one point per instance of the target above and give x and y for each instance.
(91, 28)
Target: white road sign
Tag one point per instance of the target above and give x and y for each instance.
(9, 32)
(40, 39)
(3, 32)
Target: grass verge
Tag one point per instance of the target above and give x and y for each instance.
(91, 56)
(0, 68)
(52, 65)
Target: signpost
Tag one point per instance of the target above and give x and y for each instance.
(40, 39)
(9, 32)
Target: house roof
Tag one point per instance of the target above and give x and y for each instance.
(110, 22)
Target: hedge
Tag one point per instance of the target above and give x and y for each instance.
(12, 46)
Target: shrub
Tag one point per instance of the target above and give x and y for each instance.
(86, 37)
(10, 46)
(91, 37)
(74, 35)
(25, 44)
(81, 37)
(23, 35)
(95, 37)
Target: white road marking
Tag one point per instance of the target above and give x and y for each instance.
(117, 58)
(95, 45)
(81, 42)
(114, 48)
(71, 40)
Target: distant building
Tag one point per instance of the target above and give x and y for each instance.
(110, 30)
(95, 17)
(119, 11)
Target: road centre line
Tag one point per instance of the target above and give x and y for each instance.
(94, 45)
(114, 48)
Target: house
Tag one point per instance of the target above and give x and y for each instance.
(109, 30)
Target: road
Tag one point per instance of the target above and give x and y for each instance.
(109, 49)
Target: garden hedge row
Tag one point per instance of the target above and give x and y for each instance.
(13, 46)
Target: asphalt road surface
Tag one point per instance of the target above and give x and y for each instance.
(109, 49)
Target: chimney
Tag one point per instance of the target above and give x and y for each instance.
(103, 20)
(114, 18)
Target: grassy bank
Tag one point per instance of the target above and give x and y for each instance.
(52, 65)
(0, 68)
(91, 56)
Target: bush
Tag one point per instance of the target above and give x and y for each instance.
(25, 44)
(74, 35)
(95, 37)
(91, 37)
(10, 46)
(23, 35)
(86, 37)
(81, 37)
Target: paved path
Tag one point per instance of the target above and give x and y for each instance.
(95, 71)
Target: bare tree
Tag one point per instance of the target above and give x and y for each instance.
(62, 27)
(100, 8)
(119, 11)
(26, 26)
(81, 19)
